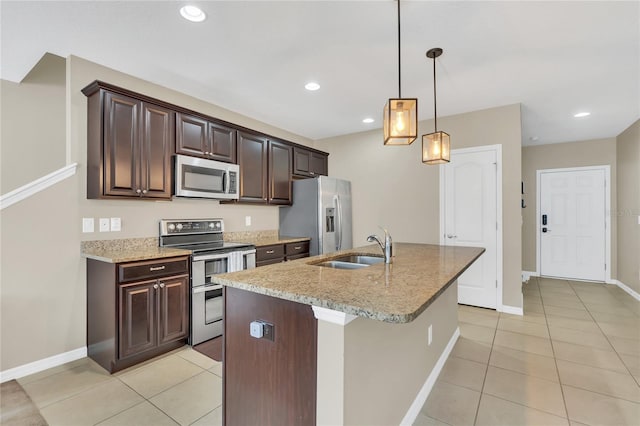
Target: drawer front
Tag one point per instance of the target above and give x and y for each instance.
(269, 262)
(135, 271)
(297, 256)
(292, 249)
(275, 251)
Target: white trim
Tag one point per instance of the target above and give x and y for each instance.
(526, 275)
(422, 396)
(43, 364)
(334, 317)
(607, 211)
(36, 186)
(628, 289)
(513, 310)
(497, 148)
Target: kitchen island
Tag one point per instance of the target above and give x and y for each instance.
(356, 346)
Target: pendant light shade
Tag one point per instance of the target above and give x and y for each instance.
(435, 146)
(400, 119)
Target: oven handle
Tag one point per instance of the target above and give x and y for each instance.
(205, 288)
(210, 257)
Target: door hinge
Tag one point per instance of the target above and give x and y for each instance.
(496, 283)
(605, 266)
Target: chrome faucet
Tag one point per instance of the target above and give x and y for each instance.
(387, 247)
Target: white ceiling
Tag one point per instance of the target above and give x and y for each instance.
(555, 58)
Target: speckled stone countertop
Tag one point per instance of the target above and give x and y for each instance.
(262, 238)
(128, 250)
(396, 293)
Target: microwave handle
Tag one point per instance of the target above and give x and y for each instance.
(226, 182)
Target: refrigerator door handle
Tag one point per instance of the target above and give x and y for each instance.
(336, 200)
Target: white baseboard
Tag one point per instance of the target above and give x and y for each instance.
(43, 364)
(421, 398)
(513, 310)
(528, 274)
(628, 289)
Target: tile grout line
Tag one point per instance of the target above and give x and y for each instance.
(611, 344)
(555, 361)
(486, 371)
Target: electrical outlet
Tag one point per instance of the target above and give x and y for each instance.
(116, 224)
(104, 224)
(247, 221)
(430, 335)
(87, 224)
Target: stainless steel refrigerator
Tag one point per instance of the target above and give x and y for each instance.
(321, 210)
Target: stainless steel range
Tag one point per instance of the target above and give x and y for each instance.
(211, 255)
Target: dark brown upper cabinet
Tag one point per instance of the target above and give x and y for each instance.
(279, 173)
(307, 163)
(265, 170)
(129, 146)
(252, 159)
(199, 137)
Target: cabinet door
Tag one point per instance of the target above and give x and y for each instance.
(222, 143)
(319, 164)
(158, 130)
(301, 162)
(279, 173)
(173, 308)
(252, 158)
(137, 318)
(121, 148)
(191, 135)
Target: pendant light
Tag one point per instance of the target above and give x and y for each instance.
(435, 146)
(400, 121)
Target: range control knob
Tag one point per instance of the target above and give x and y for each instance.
(218, 225)
(212, 225)
(171, 227)
(179, 226)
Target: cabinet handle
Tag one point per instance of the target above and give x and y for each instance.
(297, 248)
(270, 251)
(206, 153)
(157, 268)
(155, 286)
(138, 191)
(161, 285)
(144, 192)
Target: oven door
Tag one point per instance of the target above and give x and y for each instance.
(205, 266)
(206, 313)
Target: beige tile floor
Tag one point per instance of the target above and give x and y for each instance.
(183, 387)
(572, 359)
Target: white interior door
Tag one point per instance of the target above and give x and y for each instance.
(572, 224)
(470, 219)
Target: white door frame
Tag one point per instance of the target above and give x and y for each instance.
(498, 150)
(607, 211)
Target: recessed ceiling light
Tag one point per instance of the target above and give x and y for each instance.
(368, 120)
(312, 86)
(581, 114)
(192, 13)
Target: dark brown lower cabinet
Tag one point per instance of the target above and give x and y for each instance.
(136, 310)
(268, 382)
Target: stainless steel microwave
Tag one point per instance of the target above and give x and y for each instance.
(202, 178)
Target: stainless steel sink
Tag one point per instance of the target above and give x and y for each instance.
(363, 259)
(351, 262)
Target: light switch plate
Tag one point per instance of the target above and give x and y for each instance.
(116, 224)
(104, 224)
(247, 221)
(87, 224)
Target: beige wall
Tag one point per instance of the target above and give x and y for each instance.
(33, 124)
(391, 187)
(597, 152)
(43, 305)
(628, 206)
(369, 372)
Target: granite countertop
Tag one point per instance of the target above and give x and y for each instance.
(268, 240)
(395, 293)
(128, 250)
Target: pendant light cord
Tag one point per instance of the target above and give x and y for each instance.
(435, 107)
(399, 60)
